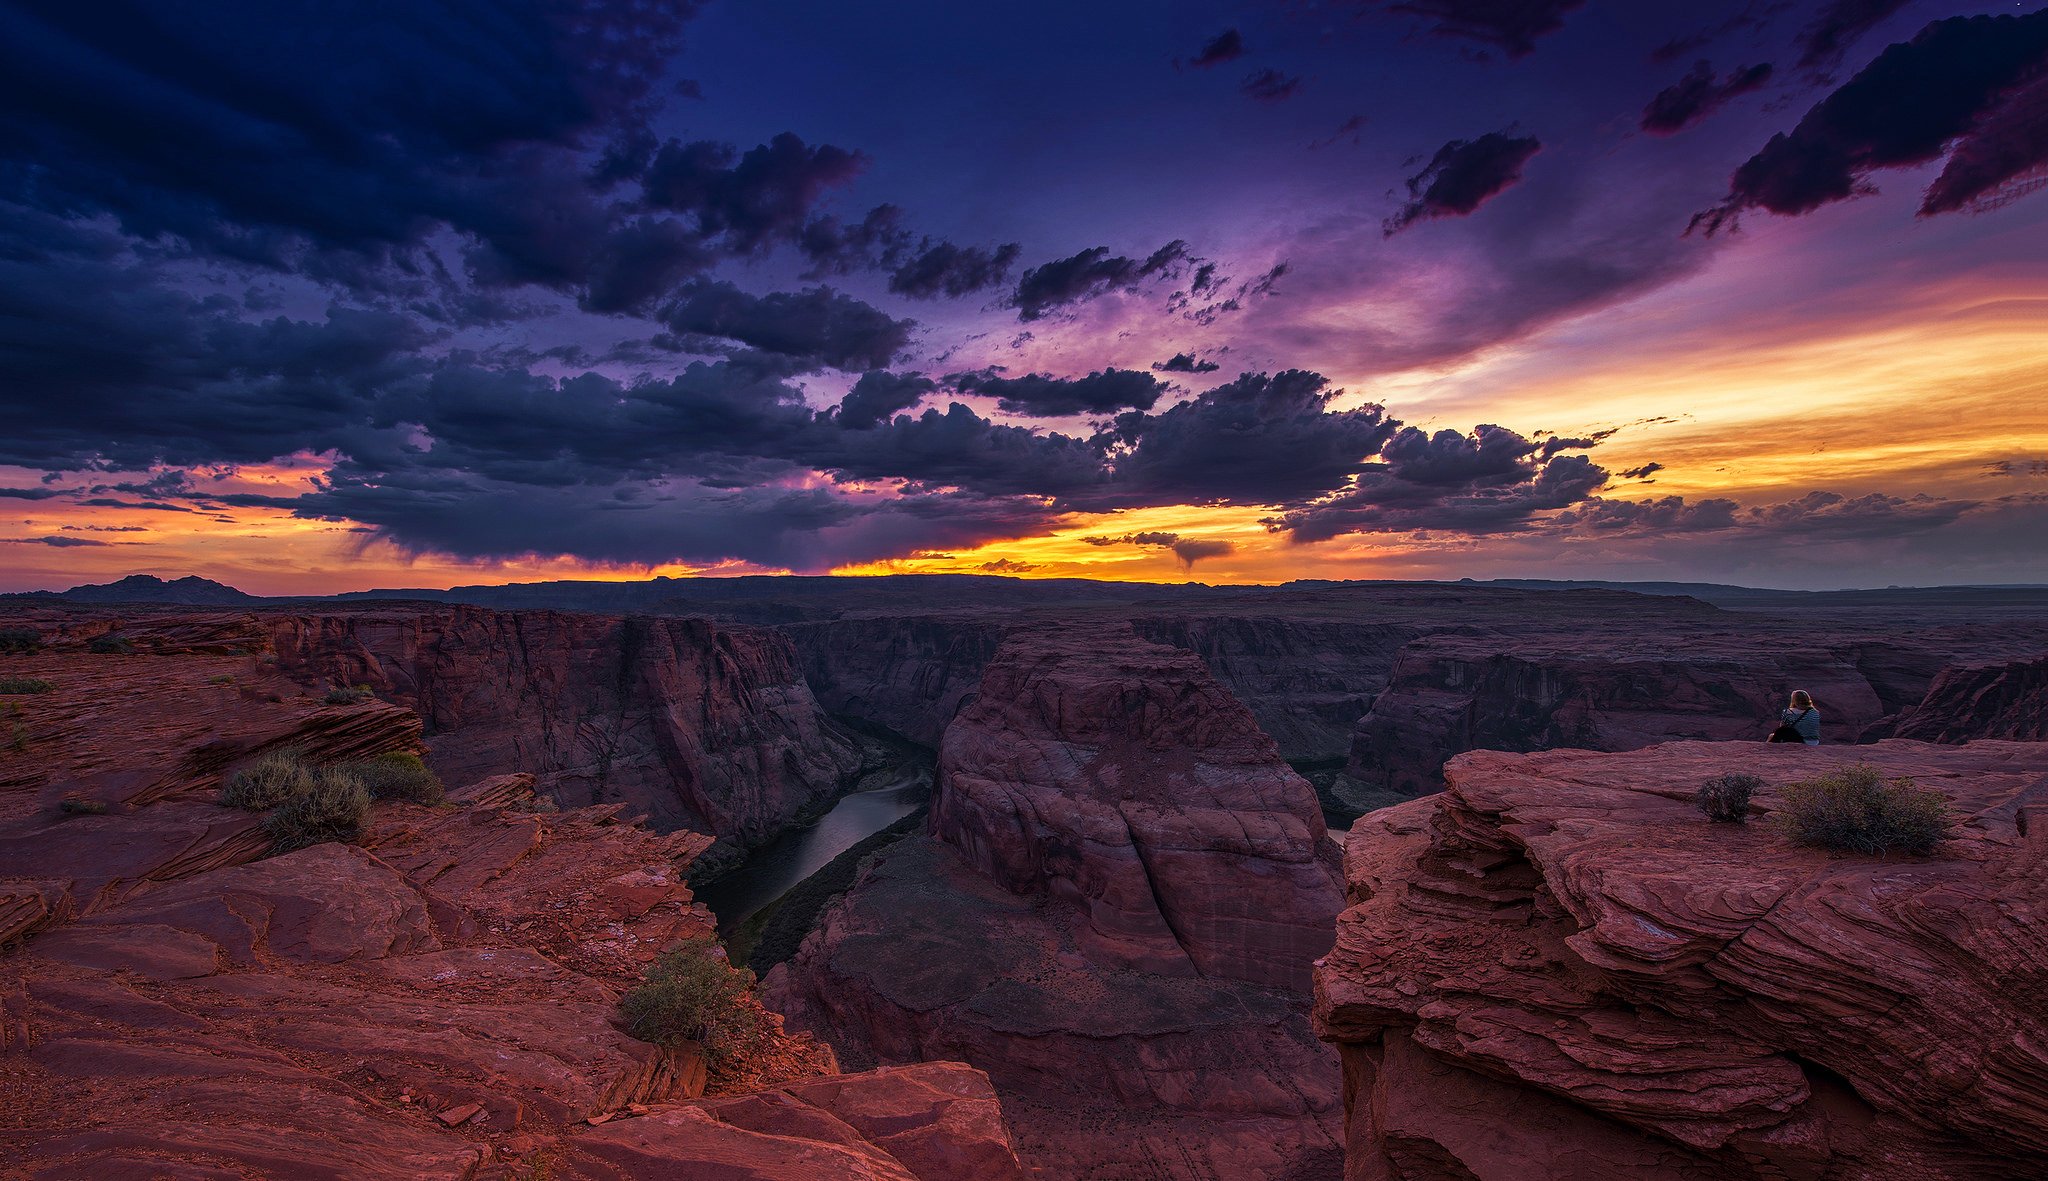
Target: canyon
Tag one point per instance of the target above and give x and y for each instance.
(1097, 954)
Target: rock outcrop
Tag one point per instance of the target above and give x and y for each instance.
(1114, 915)
(1557, 968)
(701, 726)
(2004, 700)
(437, 1001)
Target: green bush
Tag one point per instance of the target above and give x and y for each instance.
(20, 640)
(1858, 810)
(333, 808)
(1725, 798)
(398, 775)
(346, 696)
(110, 646)
(692, 994)
(25, 685)
(268, 782)
(81, 806)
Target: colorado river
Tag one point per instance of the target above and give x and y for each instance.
(794, 856)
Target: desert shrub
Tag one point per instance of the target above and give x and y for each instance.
(342, 695)
(691, 993)
(80, 806)
(399, 775)
(25, 685)
(1857, 809)
(222, 679)
(20, 640)
(268, 782)
(332, 808)
(110, 646)
(17, 737)
(1726, 797)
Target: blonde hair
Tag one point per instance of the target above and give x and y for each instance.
(1801, 699)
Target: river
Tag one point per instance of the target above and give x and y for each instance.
(796, 855)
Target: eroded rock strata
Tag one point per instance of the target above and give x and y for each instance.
(437, 1000)
(1558, 968)
(1114, 915)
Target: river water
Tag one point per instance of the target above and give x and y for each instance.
(798, 854)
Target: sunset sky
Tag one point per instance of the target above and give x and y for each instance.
(312, 298)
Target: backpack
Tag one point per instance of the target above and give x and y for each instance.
(1789, 731)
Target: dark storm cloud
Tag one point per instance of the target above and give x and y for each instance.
(1512, 26)
(753, 199)
(1185, 363)
(1967, 86)
(814, 323)
(1492, 480)
(1699, 94)
(1226, 46)
(1463, 175)
(1105, 391)
(1823, 42)
(1268, 85)
(1261, 439)
(32, 493)
(880, 395)
(1817, 516)
(920, 268)
(942, 268)
(1090, 273)
(1642, 473)
(242, 125)
(124, 370)
(1188, 550)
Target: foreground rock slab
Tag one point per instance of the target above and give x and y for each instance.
(1114, 915)
(1558, 968)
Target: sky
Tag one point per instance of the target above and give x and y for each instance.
(320, 297)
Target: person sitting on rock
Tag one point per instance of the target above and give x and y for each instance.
(1798, 722)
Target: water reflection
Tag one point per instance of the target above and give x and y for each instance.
(794, 856)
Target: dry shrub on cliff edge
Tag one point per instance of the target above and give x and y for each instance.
(399, 775)
(332, 808)
(1858, 810)
(268, 782)
(1725, 798)
(692, 994)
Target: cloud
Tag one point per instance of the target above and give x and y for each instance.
(753, 199)
(1493, 480)
(1185, 363)
(32, 493)
(1268, 85)
(1188, 550)
(814, 323)
(59, 542)
(1226, 46)
(1352, 129)
(1261, 439)
(1823, 42)
(941, 268)
(1818, 516)
(1088, 274)
(1967, 87)
(1642, 473)
(1512, 26)
(1463, 175)
(1006, 566)
(1043, 395)
(1698, 94)
(880, 395)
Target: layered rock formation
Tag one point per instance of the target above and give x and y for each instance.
(2003, 700)
(1558, 968)
(699, 725)
(1454, 693)
(437, 1002)
(1114, 916)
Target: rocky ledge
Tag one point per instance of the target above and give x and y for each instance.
(1114, 915)
(437, 1000)
(1557, 968)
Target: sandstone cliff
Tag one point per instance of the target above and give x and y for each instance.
(1114, 917)
(438, 1001)
(2002, 700)
(1558, 969)
(699, 725)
